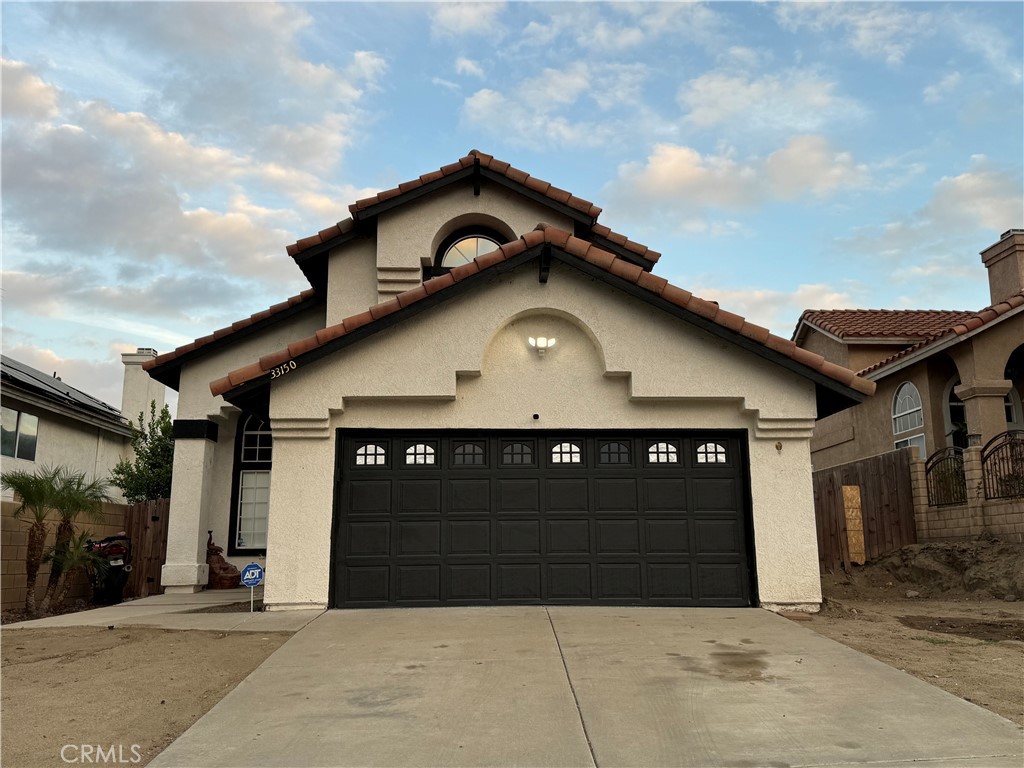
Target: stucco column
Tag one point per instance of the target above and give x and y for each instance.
(984, 403)
(299, 526)
(185, 569)
(786, 544)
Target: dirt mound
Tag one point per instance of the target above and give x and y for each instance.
(983, 567)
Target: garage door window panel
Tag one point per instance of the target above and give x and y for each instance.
(566, 453)
(372, 455)
(518, 454)
(420, 455)
(469, 455)
(711, 453)
(614, 453)
(663, 453)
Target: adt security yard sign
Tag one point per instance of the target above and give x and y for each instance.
(252, 575)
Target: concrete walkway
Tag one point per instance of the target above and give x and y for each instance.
(177, 611)
(532, 686)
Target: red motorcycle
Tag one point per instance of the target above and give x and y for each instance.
(108, 584)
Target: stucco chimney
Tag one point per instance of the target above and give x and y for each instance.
(139, 389)
(1005, 264)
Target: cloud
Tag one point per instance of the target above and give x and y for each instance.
(464, 66)
(937, 91)
(999, 51)
(875, 30)
(984, 196)
(776, 309)
(606, 28)
(25, 94)
(682, 179)
(460, 19)
(554, 107)
(932, 251)
(793, 100)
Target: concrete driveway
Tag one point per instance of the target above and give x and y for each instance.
(534, 686)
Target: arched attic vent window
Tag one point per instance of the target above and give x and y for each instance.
(462, 246)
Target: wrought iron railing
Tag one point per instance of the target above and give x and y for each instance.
(1002, 465)
(944, 473)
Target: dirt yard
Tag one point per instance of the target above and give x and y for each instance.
(126, 687)
(961, 628)
(949, 614)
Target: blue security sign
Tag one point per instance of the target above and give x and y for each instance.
(252, 574)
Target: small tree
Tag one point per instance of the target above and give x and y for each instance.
(75, 557)
(148, 475)
(74, 495)
(36, 491)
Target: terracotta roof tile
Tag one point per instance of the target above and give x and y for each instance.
(883, 323)
(970, 321)
(324, 235)
(236, 326)
(559, 238)
(497, 166)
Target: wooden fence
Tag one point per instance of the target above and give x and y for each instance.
(146, 524)
(886, 508)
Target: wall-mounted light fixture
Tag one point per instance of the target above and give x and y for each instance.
(542, 344)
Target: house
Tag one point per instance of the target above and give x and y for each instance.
(486, 397)
(950, 384)
(47, 422)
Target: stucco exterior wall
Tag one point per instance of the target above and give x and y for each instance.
(63, 440)
(406, 236)
(832, 350)
(201, 484)
(351, 280)
(618, 364)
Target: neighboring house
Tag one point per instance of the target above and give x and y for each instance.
(950, 384)
(47, 422)
(945, 378)
(524, 414)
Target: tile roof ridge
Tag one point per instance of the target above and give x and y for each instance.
(484, 160)
(238, 325)
(574, 246)
(975, 320)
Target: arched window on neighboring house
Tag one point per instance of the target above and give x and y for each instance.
(251, 486)
(908, 417)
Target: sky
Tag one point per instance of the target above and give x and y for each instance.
(158, 157)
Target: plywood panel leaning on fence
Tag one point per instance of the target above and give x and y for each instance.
(884, 519)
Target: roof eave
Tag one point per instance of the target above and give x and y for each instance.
(169, 373)
(831, 395)
(941, 343)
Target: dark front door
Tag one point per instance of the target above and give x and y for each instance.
(467, 518)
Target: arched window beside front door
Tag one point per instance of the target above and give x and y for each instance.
(250, 496)
(908, 418)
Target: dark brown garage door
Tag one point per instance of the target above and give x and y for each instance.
(459, 518)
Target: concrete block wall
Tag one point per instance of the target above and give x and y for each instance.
(14, 546)
(1001, 517)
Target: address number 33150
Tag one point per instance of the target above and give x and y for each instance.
(280, 370)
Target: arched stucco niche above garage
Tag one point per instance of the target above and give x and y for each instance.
(554, 384)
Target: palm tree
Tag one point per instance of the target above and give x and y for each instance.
(74, 495)
(75, 557)
(36, 491)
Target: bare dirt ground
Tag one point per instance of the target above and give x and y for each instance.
(123, 687)
(961, 629)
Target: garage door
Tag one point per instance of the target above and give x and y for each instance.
(461, 518)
